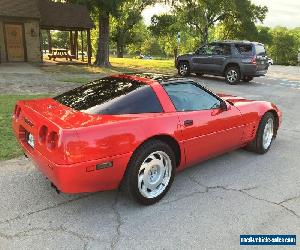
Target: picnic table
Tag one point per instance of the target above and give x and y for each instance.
(61, 53)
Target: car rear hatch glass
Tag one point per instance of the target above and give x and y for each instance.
(261, 57)
(112, 96)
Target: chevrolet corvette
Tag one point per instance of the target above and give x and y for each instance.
(136, 131)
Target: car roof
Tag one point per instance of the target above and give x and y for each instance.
(160, 78)
(237, 41)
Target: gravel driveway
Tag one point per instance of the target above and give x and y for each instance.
(208, 206)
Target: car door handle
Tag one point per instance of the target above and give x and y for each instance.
(188, 123)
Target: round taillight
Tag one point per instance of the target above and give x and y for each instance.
(52, 140)
(43, 134)
(17, 111)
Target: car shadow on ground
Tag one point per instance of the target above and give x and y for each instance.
(221, 80)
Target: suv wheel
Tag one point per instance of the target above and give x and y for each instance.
(184, 69)
(247, 78)
(232, 75)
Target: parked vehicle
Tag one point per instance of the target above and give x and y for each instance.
(236, 60)
(270, 61)
(137, 131)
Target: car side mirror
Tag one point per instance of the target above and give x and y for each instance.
(223, 106)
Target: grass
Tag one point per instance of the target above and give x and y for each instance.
(119, 65)
(9, 148)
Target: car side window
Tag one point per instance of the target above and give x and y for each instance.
(188, 96)
(206, 49)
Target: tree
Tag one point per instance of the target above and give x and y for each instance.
(103, 9)
(284, 47)
(202, 15)
(165, 28)
(127, 16)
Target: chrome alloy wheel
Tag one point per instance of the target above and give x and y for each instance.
(154, 174)
(232, 75)
(183, 69)
(268, 133)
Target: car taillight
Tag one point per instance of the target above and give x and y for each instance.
(52, 140)
(253, 61)
(17, 111)
(43, 134)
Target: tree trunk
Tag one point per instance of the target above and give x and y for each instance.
(49, 41)
(205, 35)
(175, 53)
(102, 58)
(120, 48)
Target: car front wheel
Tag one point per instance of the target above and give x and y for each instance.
(184, 69)
(150, 172)
(265, 135)
(232, 75)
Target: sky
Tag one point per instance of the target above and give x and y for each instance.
(280, 13)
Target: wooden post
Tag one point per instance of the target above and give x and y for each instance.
(82, 55)
(76, 44)
(89, 46)
(49, 41)
(71, 42)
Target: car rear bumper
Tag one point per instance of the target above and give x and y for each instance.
(252, 70)
(82, 177)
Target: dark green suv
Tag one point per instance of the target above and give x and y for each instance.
(236, 60)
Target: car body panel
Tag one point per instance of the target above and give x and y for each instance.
(85, 141)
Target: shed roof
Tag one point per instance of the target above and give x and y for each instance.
(19, 8)
(55, 15)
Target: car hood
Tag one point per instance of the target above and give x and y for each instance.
(234, 99)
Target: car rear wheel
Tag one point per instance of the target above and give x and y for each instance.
(265, 135)
(184, 69)
(232, 75)
(150, 172)
(247, 78)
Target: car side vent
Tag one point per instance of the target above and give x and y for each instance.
(253, 131)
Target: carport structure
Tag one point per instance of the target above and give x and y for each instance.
(73, 18)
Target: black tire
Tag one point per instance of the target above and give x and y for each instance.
(232, 75)
(130, 182)
(247, 78)
(184, 69)
(257, 145)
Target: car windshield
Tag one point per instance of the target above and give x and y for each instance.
(112, 95)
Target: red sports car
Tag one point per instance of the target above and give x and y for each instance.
(137, 131)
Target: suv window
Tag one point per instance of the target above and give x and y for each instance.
(222, 49)
(215, 49)
(112, 96)
(260, 50)
(244, 49)
(189, 96)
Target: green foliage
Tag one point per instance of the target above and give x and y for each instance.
(165, 27)
(127, 18)
(236, 17)
(285, 45)
(152, 47)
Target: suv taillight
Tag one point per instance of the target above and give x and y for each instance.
(52, 140)
(253, 61)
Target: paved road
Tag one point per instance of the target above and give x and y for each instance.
(208, 207)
